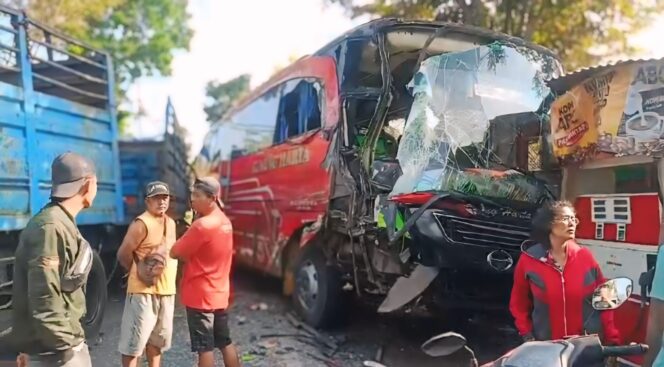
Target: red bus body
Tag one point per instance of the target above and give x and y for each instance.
(308, 164)
(276, 191)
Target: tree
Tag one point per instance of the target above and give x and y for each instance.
(69, 16)
(141, 35)
(582, 32)
(221, 96)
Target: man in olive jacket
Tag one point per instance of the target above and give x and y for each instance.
(51, 266)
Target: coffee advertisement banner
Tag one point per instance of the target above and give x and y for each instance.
(618, 111)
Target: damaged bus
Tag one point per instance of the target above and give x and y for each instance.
(394, 164)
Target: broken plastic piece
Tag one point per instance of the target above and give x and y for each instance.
(405, 289)
(373, 364)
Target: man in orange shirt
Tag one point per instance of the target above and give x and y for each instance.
(207, 251)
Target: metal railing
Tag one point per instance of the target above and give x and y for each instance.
(37, 57)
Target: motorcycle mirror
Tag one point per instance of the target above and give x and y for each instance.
(444, 344)
(612, 294)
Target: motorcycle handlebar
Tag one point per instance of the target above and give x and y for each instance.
(625, 350)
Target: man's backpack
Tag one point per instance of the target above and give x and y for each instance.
(150, 268)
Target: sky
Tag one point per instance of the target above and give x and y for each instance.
(228, 42)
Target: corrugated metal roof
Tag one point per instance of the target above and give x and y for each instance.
(566, 81)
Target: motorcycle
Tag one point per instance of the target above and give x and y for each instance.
(576, 351)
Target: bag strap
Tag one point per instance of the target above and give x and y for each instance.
(165, 225)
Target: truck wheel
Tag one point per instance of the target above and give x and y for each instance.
(95, 298)
(318, 295)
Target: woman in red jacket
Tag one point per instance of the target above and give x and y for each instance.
(554, 281)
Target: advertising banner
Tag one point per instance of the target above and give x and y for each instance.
(618, 111)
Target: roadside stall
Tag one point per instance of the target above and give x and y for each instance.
(607, 134)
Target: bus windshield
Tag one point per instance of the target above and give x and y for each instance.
(471, 110)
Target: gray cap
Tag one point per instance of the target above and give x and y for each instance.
(156, 188)
(210, 186)
(68, 173)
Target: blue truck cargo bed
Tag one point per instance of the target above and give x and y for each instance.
(53, 100)
(163, 159)
(56, 95)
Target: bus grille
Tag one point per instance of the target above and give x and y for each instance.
(483, 233)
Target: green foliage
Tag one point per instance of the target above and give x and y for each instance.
(582, 32)
(221, 96)
(141, 35)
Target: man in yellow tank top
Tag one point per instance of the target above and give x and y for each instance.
(147, 321)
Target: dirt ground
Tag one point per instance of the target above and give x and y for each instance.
(265, 332)
(263, 328)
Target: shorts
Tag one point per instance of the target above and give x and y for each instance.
(147, 319)
(208, 330)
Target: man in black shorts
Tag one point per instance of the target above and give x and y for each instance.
(207, 252)
(208, 330)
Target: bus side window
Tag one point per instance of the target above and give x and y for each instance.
(254, 125)
(299, 109)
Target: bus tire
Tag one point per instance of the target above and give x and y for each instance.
(96, 294)
(318, 296)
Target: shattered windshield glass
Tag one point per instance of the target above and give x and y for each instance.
(471, 111)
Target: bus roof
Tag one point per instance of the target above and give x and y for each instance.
(383, 24)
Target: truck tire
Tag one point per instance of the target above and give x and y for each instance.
(318, 296)
(95, 298)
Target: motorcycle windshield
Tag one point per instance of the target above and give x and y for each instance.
(469, 110)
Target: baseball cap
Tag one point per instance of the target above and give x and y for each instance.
(68, 173)
(210, 186)
(156, 188)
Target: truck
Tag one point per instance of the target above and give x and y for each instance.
(57, 94)
(391, 165)
(162, 158)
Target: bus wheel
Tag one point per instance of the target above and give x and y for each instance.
(95, 298)
(318, 295)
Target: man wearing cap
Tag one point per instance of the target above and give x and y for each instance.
(147, 320)
(207, 251)
(51, 266)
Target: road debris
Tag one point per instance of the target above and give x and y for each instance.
(246, 357)
(259, 306)
(373, 364)
(317, 336)
(379, 354)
